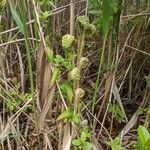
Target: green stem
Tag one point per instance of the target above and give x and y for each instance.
(98, 76)
(29, 66)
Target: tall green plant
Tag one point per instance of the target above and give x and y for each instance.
(20, 20)
(106, 17)
(105, 25)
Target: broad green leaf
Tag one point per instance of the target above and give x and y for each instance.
(76, 142)
(67, 90)
(45, 15)
(67, 65)
(115, 144)
(87, 145)
(86, 131)
(143, 133)
(83, 136)
(59, 60)
(147, 144)
(70, 116)
(75, 118)
(64, 115)
(139, 145)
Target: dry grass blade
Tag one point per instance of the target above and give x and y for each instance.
(67, 137)
(43, 76)
(46, 109)
(129, 125)
(48, 142)
(74, 74)
(117, 97)
(43, 82)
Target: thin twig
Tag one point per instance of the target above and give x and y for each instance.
(16, 41)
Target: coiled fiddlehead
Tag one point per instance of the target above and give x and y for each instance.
(79, 93)
(67, 41)
(74, 74)
(84, 62)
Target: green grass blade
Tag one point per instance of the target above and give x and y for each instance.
(16, 17)
(20, 20)
(106, 17)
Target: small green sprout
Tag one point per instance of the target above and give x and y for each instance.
(45, 15)
(70, 116)
(14, 100)
(82, 141)
(62, 62)
(115, 144)
(117, 112)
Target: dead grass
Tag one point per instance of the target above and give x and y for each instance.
(30, 121)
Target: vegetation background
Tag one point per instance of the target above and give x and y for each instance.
(74, 74)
